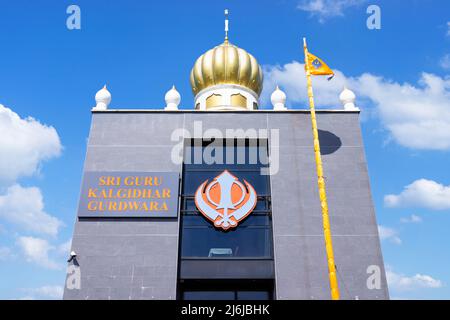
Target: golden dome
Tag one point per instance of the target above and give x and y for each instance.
(226, 64)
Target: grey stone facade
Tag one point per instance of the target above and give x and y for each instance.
(137, 259)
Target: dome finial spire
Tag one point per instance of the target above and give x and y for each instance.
(226, 25)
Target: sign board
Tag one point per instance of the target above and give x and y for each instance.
(129, 194)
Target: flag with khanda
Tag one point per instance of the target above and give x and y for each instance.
(317, 67)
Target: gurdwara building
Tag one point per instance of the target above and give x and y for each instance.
(221, 201)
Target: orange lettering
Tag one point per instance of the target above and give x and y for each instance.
(92, 205)
(113, 181)
(91, 193)
(157, 181)
(137, 193)
(166, 193)
(133, 205)
(101, 181)
(153, 206)
(112, 206)
(126, 181)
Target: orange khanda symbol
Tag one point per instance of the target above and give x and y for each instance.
(225, 201)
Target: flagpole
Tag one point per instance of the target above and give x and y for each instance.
(321, 183)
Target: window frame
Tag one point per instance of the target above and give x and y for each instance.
(266, 197)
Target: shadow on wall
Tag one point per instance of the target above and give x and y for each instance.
(329, 142)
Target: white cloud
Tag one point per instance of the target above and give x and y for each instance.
(421, 193)
(448, 29)
(416, 116)
(411, 219)
(25, 208)
(325, 9)
(24, 145)
(445, 62)
(389, 234)
(44, 293)
(5, 253)
(64, 248)
(401, 282)
(37, 251)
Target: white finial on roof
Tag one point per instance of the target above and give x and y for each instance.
(173, 99)
(348, 98)
(102, 99)
(278, 99)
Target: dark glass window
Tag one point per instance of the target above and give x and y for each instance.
(226, 295)
(208, 295)
(252, 238)
(227, 290)
(253, 295)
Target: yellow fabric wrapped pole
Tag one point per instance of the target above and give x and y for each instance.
(320, 179)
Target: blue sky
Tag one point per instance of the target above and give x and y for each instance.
(399, 73)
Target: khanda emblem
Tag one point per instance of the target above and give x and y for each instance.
(316, 63)
(225, 201)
